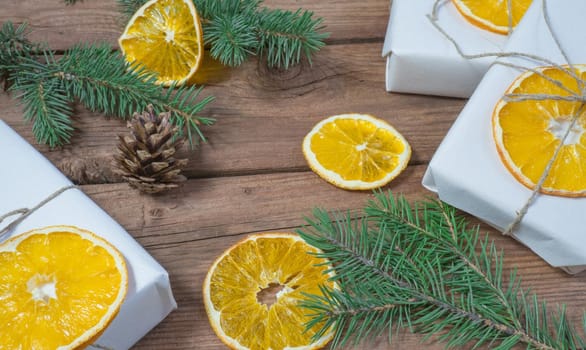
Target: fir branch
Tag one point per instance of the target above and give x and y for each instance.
(13, 46)
(129, 7)
(209, 10)
(285, 36)
(45, 102)
(102, 81)
(109, 87)
(423, 268)
(184, 108)
(231, 39)
(237, 29)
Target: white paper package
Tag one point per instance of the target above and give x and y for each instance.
(467, 172)
(28, 180)
(421, 60)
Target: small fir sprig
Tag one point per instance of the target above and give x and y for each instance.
(95, 76)
(423, 268)
(13, 45)
(238, 29)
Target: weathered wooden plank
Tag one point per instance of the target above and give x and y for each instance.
(62, 26)
(262, 116)
(88, 21)
(187, 230)
(188, 327)
(215, 207)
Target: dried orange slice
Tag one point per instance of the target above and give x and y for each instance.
(356, 151)
(60, 287)
(527, 133)
(165, 37)
(242, 302)
(492, 15)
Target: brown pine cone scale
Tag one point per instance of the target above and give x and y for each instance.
(145, 158)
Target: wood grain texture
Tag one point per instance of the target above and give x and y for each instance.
(186, 232)
(262, 116)
(251, 177)
(100, 20)
(228, 206)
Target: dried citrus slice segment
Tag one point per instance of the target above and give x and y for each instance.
(252, 293)
(356, 151)
(492, 15)
(165, 37)
(527, 133)
(60, 287)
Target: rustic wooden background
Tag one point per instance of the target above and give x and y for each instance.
(251, 177)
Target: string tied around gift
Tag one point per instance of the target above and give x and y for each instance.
(573, 96)
(26, 212)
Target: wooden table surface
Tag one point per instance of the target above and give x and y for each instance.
(251, 177)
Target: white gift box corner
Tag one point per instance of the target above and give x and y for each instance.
(467, 172)
(421, 60)
(29, 180)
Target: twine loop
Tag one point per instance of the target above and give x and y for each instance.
(573, 96)
(26, 212)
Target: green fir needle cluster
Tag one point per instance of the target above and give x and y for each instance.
(93, 75)
(234, 30)
(13, 45)
(423, 268)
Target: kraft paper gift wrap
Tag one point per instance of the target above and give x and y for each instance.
(28, 180)
(421, 60)
(467, 172)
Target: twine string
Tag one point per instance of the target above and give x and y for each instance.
(12, 213)
(572, 97)
(434, 19)
(523, 211)
(26, 212)
(558, 43)
(541, 74)
(541, 97)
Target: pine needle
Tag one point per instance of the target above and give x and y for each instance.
(129, 7)
(285, 36)
(234, 30)
(231, 38)
(95, 76)
(423, 268)
(13, 46)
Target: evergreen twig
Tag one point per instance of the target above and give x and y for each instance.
(237, 29)
(13, 45)
(422, 267)
(285, 36)
(95, 76)
(129, 7)
(231, 40)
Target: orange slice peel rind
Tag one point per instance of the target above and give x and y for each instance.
(527, 133)
(492, 15)
(356, 151)
(234, 282)
(164, 37)
(61, 287)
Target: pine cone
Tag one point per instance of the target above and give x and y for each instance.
(145, 157)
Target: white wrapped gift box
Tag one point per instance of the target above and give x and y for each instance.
(467, 172)
(28, 180)
(421, 60)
